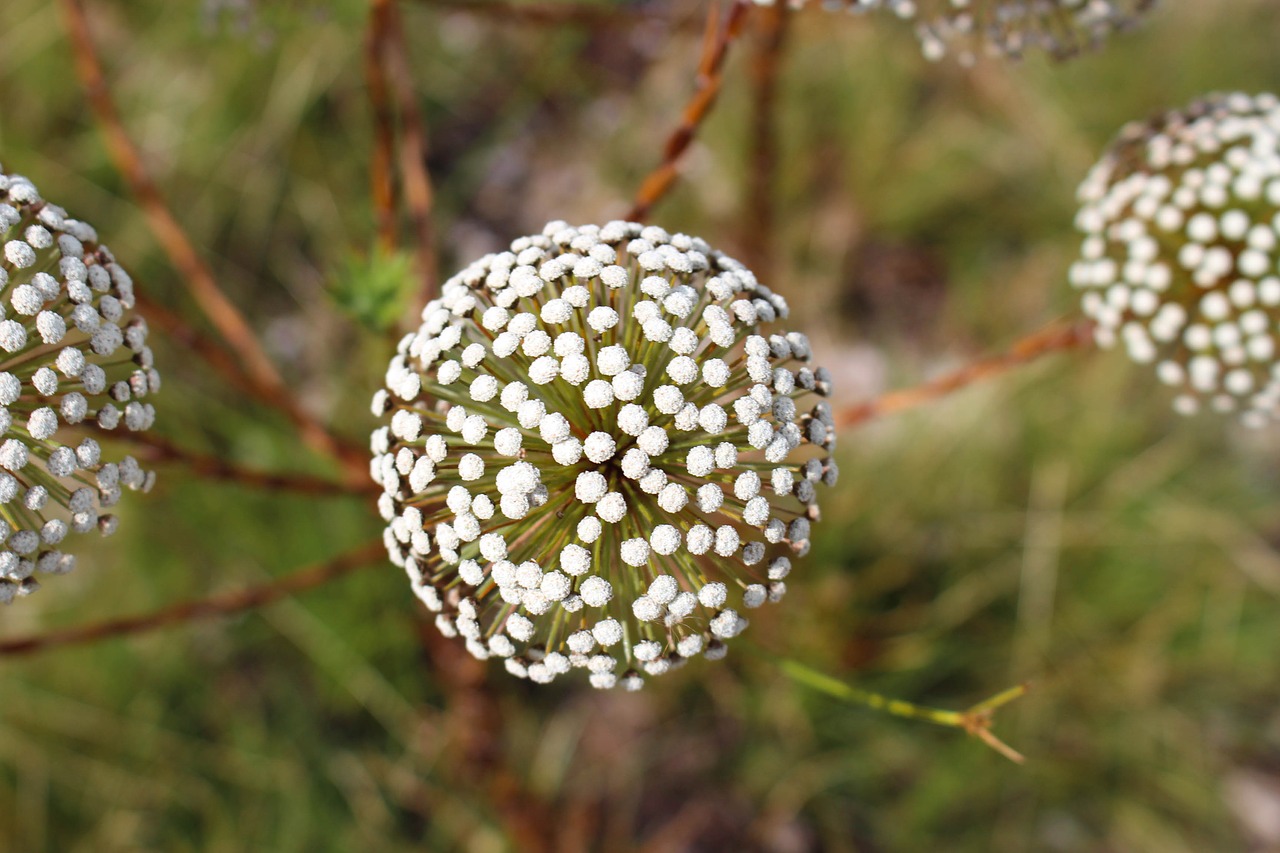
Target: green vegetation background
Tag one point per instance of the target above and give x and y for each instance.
(1060, 525)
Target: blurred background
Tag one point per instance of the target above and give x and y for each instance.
(1059, 525)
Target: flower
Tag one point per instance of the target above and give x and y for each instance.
(74, 360)
(1179, 262)
(595, 457)
(1006, 28)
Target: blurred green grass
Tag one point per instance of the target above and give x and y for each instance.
(1059, 525)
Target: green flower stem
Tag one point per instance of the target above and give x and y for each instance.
(976, 721)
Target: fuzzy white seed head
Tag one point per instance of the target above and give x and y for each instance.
(1177, 254)
(595, 591)
(969, 30)
(57, 275)
(578, 428)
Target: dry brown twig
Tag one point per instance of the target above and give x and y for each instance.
(715, 49)
(418, 194)
(550, 14)
(387, 72)
(155, 449)
(1060, 336)
(203, 287)
(381, 179)
(222, 362)
(474, 723)
(212, 352)
(221, 604)
(758, 227)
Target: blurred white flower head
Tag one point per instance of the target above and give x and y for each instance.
(74, 363)
(970, 29)
(1179, 261)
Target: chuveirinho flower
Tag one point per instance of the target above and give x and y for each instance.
(968, 29)
(1179, 261)
(596, 456)
(74, 362)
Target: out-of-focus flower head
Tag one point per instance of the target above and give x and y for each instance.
(74, 363)
(970, 29)
(1179, 262)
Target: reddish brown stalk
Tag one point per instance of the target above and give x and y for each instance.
(715, 49)
(474, 724)
(216, 356)
(222, 604)
(1056, 337)
(549, 14)
(758, 231)
(155, 449)
(221, 312)
(381, 180)
(386, 69)
(413, 159)
(187, 336)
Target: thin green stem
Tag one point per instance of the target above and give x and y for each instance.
(976, 721)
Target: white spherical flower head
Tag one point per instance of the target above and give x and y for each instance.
(75, 356)
(596, 454)
(1179, 264)
(969, 29)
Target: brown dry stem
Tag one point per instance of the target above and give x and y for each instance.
(156, 449)
(418, 195)
(1060, 336)
(715, 49)
(978, 720)
(589, 15)
(401, 130)
(758, 227)
(381, 180)
(221, 604)
(222, 313)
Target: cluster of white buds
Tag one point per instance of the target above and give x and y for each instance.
(73, 362)
(1179, 262)
(969, 29)
(595, 456)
